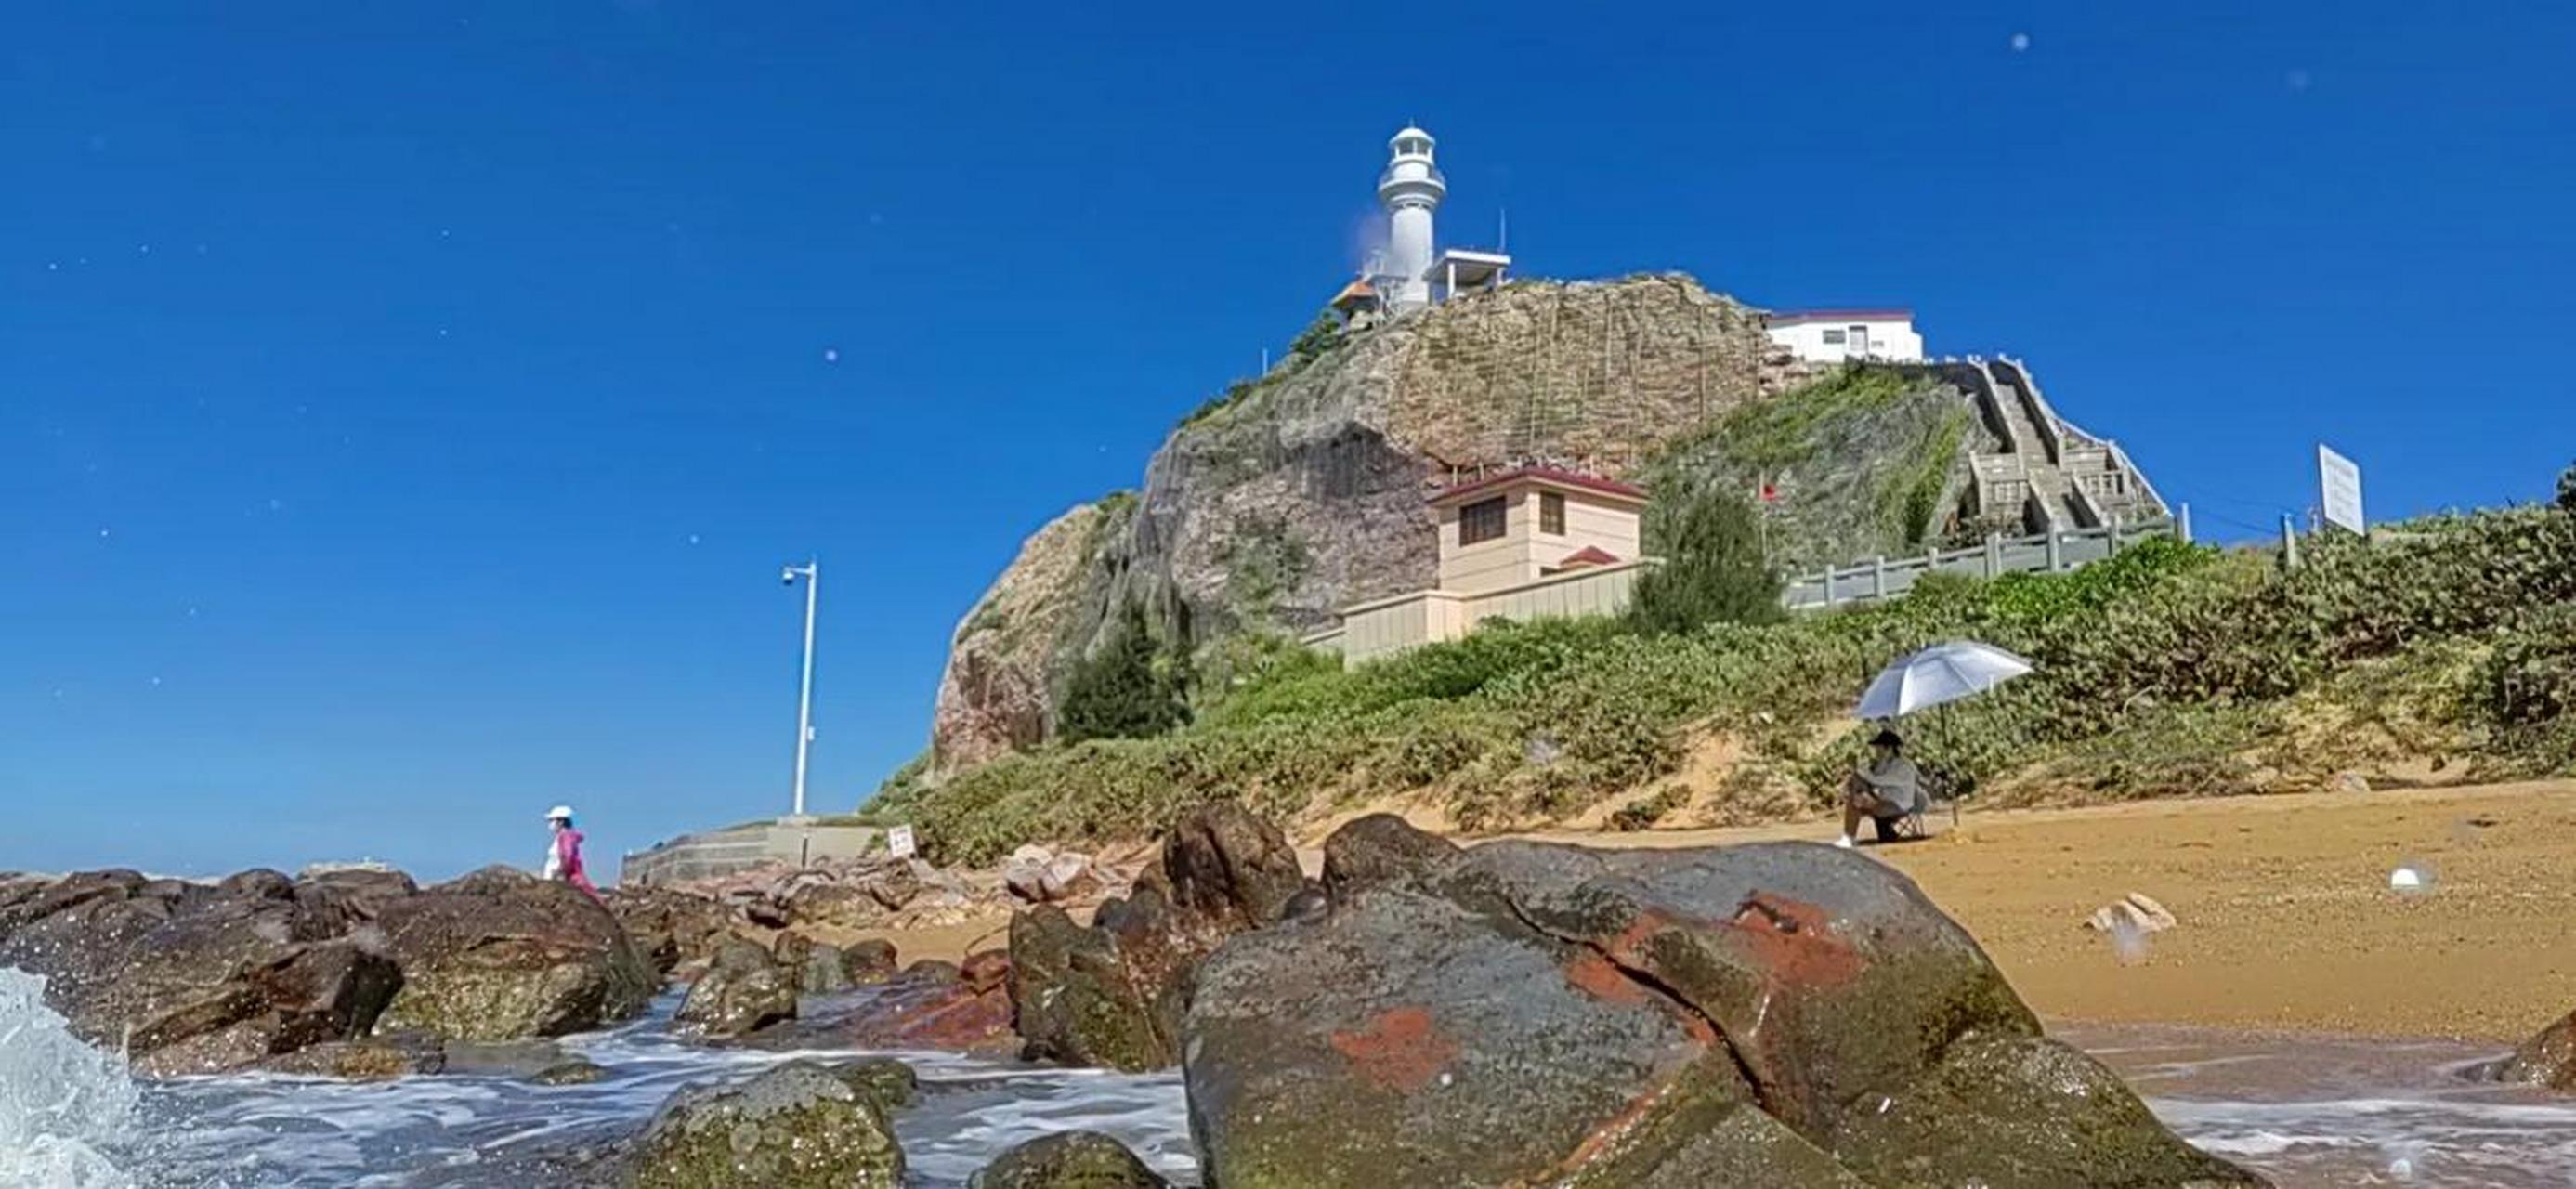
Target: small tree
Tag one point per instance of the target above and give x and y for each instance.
(1320, 335)
(1123, 690)
(2567, 491)
(1713, 567)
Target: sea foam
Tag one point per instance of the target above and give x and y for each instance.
(61, 1102)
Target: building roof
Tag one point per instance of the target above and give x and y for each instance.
(1357, 291)
(1795, 317)
(1589, 555)
(1473, 267)
(1544, 477)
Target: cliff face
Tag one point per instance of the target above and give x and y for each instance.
(1304, 491)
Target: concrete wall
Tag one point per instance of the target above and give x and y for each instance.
(1886, 339)
(743, 848)
(1390, 626)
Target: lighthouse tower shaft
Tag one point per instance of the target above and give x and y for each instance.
(1410, 189)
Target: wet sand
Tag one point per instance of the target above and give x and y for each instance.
(2286, 917)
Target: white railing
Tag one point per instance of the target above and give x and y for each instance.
(1887, 577)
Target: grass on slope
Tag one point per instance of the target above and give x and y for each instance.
(2159, 672)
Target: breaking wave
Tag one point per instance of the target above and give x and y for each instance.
(61, 1102)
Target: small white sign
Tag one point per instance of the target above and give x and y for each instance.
(899, 842)
(2339, 479)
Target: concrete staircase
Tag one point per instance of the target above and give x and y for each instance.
(2049, 475)
(2089, 478)
(2036, 446)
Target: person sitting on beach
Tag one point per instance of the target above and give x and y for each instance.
(1886, 790)
(563, 855)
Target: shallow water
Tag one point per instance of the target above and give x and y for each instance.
(2317, 1111)
(240, 1132)
(2310, 1111)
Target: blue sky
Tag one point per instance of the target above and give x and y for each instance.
(404, 409)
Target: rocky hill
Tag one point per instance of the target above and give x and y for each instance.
(1303, 491)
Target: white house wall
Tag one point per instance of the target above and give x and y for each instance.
(1887, 340)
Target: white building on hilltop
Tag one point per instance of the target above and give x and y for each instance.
(1412, 272)
(1832, 336)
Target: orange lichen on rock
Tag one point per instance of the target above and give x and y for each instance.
(1399, 1050)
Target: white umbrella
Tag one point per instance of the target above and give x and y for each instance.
(1941, 673)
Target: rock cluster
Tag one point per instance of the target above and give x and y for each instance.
(1044, 875)
(1783, 1015)
(205, 978)
(1113, 993)
(876, 892)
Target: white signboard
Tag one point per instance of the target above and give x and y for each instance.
(2340, 480)
(899, 842)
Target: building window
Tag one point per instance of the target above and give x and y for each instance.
(1551, 513)
(1860, 338)
(1833, 338)
(1480, 522)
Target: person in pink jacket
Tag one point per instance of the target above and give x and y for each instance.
(563, 855)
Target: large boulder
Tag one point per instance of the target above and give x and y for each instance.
(1075, 1001)
(1377, 849)
(1068, 1160)
(793, 1127)
(744, 989)
(500, 955)
(2548, 1059)
(194, 978)
(1781, 1015)
(1114, 994)
(1229, 867)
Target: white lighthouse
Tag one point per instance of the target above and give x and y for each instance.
(1410, 189)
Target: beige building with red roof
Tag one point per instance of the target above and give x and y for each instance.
(1531, 543)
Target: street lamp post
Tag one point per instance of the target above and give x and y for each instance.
(812, 573)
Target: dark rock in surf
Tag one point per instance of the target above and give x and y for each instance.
(743, 990)
(1780, 1015)
(2548, 1059)
(1068, 1160)
(793, 1127)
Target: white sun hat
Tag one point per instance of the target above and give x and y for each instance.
(559, 813)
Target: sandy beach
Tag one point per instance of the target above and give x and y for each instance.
(2286, 917)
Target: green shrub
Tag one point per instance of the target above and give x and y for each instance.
(2567, 491)
(1713, 570)
(2155, 673)
(1124, 689)
(1321, 335)
(2530, 677)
